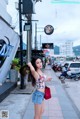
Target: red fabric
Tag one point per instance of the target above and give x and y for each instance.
(47, 94)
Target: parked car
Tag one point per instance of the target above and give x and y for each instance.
(72, 72)
(74, 67)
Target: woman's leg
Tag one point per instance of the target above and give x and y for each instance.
(42, 109)
(37, 108)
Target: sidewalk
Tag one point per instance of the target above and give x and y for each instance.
(20, 106)
(59, 106)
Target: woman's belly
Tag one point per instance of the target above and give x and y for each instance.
(41, 89)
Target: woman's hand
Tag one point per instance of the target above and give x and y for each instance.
(49, 79)
(29, 64)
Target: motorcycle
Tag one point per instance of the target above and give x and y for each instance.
(74, 76)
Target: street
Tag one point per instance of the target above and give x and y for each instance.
(72, 88)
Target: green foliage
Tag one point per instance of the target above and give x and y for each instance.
(15, 61)
(15, 64)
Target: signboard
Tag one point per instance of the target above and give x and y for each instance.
(48, 29)
(28, 7)
(5, 49)
(65, 1)
(47, 46)
(9, 42)
(48, 52)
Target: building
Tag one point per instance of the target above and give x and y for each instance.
(8, 47)
(3, 12)
(66, 49)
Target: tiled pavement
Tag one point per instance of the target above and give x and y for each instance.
(59, 106)
(52, 108)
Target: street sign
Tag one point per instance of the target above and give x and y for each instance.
(48, 29)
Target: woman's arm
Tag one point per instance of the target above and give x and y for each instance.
(34, 73)
(49, 79)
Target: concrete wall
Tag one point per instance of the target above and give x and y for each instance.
(3, 11)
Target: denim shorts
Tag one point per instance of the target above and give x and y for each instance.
(37, 97)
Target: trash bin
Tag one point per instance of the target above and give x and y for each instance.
(13, 75)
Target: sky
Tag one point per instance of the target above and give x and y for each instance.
(63, 15)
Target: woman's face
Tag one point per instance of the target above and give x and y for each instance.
(38, 63)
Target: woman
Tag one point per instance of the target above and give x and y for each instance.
(38, 80)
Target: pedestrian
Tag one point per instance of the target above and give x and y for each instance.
(64, 70)
(38, 80)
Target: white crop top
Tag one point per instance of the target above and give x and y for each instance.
(40, 83)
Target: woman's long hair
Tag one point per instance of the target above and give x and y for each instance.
(23, 70)
(26, 67)
(34, 65)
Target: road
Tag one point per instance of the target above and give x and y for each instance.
(72, 88)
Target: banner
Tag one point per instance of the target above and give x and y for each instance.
(47, 46)
(9, 42)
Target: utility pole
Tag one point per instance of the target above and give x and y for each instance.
(21, 42)
(29, 37)
(40, 41)
(29, 44)
(35, 36)
(28, 9)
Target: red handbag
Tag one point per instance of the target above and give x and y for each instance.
(47, 94)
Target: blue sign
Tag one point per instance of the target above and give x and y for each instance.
(5, 50)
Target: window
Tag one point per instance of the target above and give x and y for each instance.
(76, 65)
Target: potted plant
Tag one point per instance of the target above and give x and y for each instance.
(14, 70)
(24, 72)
